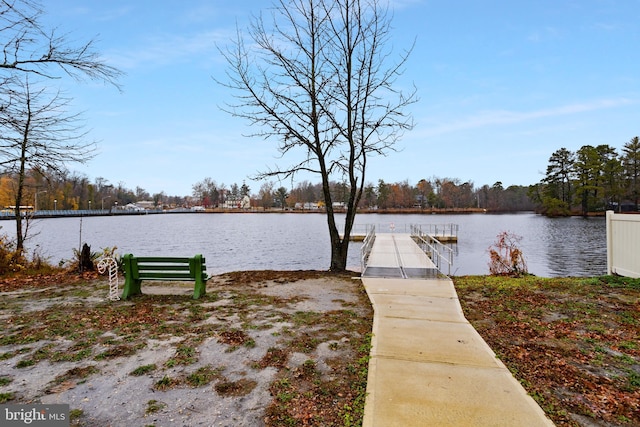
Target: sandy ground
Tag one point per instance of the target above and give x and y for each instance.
(114, 397)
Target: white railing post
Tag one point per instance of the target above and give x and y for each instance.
(367, 244)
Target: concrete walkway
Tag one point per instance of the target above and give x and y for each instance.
(429, 366)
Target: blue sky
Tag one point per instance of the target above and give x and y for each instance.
(501, 86)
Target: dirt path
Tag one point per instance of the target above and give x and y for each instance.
(262, 348)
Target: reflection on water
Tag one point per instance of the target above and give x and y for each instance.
(552, 247)
(576, 244)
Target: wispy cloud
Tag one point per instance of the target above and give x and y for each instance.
(544, 35)
(114, 14)
(96, 14)
(168, 49)
(502, 117)
(401, 4)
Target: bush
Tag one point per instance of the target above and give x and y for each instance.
(11, 261)
(14, 261)
(506, 259)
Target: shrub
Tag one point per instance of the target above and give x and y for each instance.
(506, 258)
(15, 261)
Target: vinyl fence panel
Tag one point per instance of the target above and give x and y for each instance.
(623, 244)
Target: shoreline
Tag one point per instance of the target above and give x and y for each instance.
(399, 211)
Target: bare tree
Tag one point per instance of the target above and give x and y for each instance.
(266, 194)
(319, 80)
(28, 47)
(38, 134)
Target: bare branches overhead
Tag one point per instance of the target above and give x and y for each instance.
(28, 47)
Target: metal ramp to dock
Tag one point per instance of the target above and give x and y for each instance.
(428, 365)
(398, 257)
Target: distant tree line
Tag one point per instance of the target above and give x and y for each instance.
(61, 189)
(48, 190)
(590, 179)
(433, 193)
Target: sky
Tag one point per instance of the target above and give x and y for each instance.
(501, 85)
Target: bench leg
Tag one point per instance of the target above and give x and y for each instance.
(131, 285)
(196, 267)
(199, 289)
(131, 288)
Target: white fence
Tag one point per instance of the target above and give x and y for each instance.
(623, 244)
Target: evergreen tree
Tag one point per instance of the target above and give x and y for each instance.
(631, 169)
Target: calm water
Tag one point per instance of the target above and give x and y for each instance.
(552, 247)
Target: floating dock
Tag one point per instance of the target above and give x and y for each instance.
(442, 238)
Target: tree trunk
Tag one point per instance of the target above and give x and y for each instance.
(340, 245)
(20, 237)
(339, 253)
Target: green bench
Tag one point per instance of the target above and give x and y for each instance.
(137, 269)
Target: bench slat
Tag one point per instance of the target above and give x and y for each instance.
(144, 259)
(157, 267)
(171, 275)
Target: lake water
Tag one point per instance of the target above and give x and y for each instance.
(230, 242)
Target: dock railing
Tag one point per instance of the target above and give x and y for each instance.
(440, 254)
(367, 244)
(439, 230)
(436, 230)
(623, 244)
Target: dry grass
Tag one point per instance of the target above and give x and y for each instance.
(572, 342)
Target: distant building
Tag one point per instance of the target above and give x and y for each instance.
(146, 204)
(308, 206)
(132, 207)
(245, 203)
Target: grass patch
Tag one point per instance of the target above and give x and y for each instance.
(566, 340)
(143, 370)
(122, 350)
(185, 355)
(77, 373)
(75, 414)
(7, 355)
(633, 379)
(165, 383)
(241, 387)
(154, 406)
(204, 375)
(6, 397)
(25, 363)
